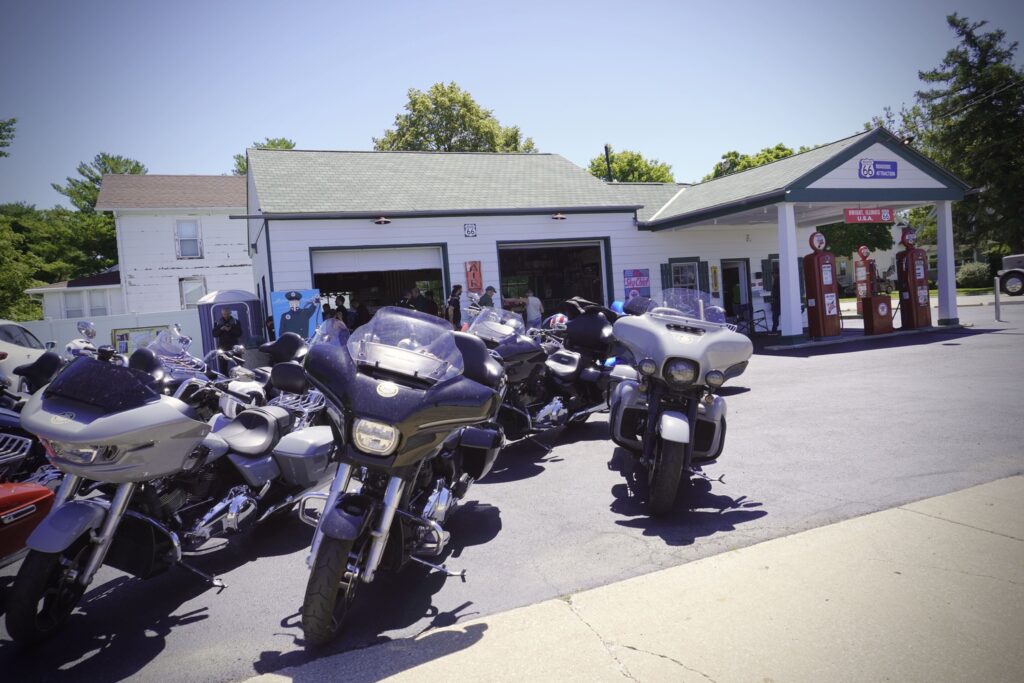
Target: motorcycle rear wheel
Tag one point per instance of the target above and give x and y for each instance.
(44, 595)
(664, 476)
(329, 594)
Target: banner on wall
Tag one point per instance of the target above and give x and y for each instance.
(637, 282)
(296, 310)
(474, 277)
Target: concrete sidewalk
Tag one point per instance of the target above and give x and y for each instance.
(929, 591)
(850, 307)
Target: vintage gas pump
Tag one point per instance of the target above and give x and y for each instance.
(863, 275)
(822, 290)
(912, 273)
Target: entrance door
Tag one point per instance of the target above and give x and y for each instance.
(378, 277)
(736, 285)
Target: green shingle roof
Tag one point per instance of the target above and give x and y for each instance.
(297, 181)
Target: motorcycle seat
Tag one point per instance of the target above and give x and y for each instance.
(255, 431)
(39, 372)
(478, 363)
(288, 347)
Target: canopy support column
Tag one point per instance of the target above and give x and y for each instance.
(792, 326)
(946, 264)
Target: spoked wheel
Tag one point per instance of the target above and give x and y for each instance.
(329, 593)
(45, 593)
(664, 474)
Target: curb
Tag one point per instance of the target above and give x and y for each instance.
(854, 340)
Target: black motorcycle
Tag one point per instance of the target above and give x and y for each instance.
(557, 376)
(412, 407)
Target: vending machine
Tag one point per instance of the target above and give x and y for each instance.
(912, 273)
(822, 290)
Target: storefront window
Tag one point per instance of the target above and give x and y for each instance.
(684, 275)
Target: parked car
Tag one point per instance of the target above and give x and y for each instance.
(17, 347)
(1011, 277)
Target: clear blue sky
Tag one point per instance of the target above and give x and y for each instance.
(182, 86)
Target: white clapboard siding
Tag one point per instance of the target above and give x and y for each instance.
(150, 268)
(291, 243)
(907, 175)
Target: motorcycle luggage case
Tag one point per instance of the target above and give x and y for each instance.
(22, 507)
(303, 456)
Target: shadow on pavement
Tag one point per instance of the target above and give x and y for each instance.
(698, 512)
(103, 641)
(526, 458)
(396, 601)
(854, 341)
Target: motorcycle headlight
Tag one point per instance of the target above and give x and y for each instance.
(681, 372)
(83, 455)
(647, 367)
(715, 378)
(375, 438)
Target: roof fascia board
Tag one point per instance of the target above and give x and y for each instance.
(875, 195)
(43, 290)
(167, 209)
(440, 213)
(745, 204)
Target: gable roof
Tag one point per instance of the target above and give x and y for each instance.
(108, 278)
(342, 183)
(652, 196)
(148, 191)
(787, 180)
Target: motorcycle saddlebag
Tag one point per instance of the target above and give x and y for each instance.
(303, 456)
(22, 507)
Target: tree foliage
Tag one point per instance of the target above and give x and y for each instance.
(6, 135)
(446, 118)
(631, 167)
(734, 162)
(844, 239)
(83, 192)
(242, 164)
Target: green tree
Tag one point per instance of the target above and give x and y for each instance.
(242, 164)
(631, 167)
(974, 125)
(6, 135)
(17, 265)
(734, 162)
(446, 118)
(83, 192)
(844, 239)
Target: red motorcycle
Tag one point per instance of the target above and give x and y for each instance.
(22, 507)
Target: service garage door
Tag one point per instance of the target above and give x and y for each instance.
(555, 271)
(379, 277)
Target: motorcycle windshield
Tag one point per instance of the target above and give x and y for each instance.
(111, 388)
(331, 331)
(497, 326)
(681, 302)
(170, 342)
(408, 343)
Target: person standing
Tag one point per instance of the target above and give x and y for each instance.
(776, 299)
(488, 298)
(406, 300)
(534, 310)
(453, 307)
(228, 331)
(431, 305)
(418, 301)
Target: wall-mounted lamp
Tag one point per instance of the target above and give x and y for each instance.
(907, 140)
(382, 220)
(558, 216)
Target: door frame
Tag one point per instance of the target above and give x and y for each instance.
(745, 262)
(605, 243)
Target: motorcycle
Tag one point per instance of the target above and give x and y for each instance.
(84, 346)
(558, 375)
(167, 481)
(412, 405)
(669, 416)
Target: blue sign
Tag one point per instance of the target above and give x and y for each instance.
(874, 169)
(296, 311)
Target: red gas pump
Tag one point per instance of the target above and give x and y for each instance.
(822, 290)
(863, 275)
(912, 273)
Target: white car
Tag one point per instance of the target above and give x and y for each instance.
(17, 347)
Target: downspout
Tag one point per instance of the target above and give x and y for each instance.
(120, 264)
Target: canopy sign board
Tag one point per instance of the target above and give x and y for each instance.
(869, 215)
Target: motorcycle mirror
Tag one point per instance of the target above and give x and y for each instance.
(50, 345)
(86, 329)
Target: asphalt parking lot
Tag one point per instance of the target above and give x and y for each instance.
(814, 437)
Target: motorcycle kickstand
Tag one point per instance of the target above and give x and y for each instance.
(440, 568)
(209, 578)
(536, 442)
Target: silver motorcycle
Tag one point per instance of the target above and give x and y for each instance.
(669, 416)
(147, 479)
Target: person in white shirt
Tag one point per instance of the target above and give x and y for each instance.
(534, 310)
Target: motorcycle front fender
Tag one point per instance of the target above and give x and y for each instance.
(349, 518)
(65, 525)
(673, 426)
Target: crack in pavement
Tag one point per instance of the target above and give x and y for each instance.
(953, 521)
(610, 644)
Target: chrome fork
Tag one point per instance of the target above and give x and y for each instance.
(118, 505)
(68, 487)
(392, 496)
(341, 480)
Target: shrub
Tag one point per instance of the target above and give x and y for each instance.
(974, 274)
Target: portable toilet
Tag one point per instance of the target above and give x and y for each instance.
(244, 306)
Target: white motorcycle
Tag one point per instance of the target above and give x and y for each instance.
(669, 417)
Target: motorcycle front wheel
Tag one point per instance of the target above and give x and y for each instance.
(45, 593)
(664, 476)
(329, 593)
